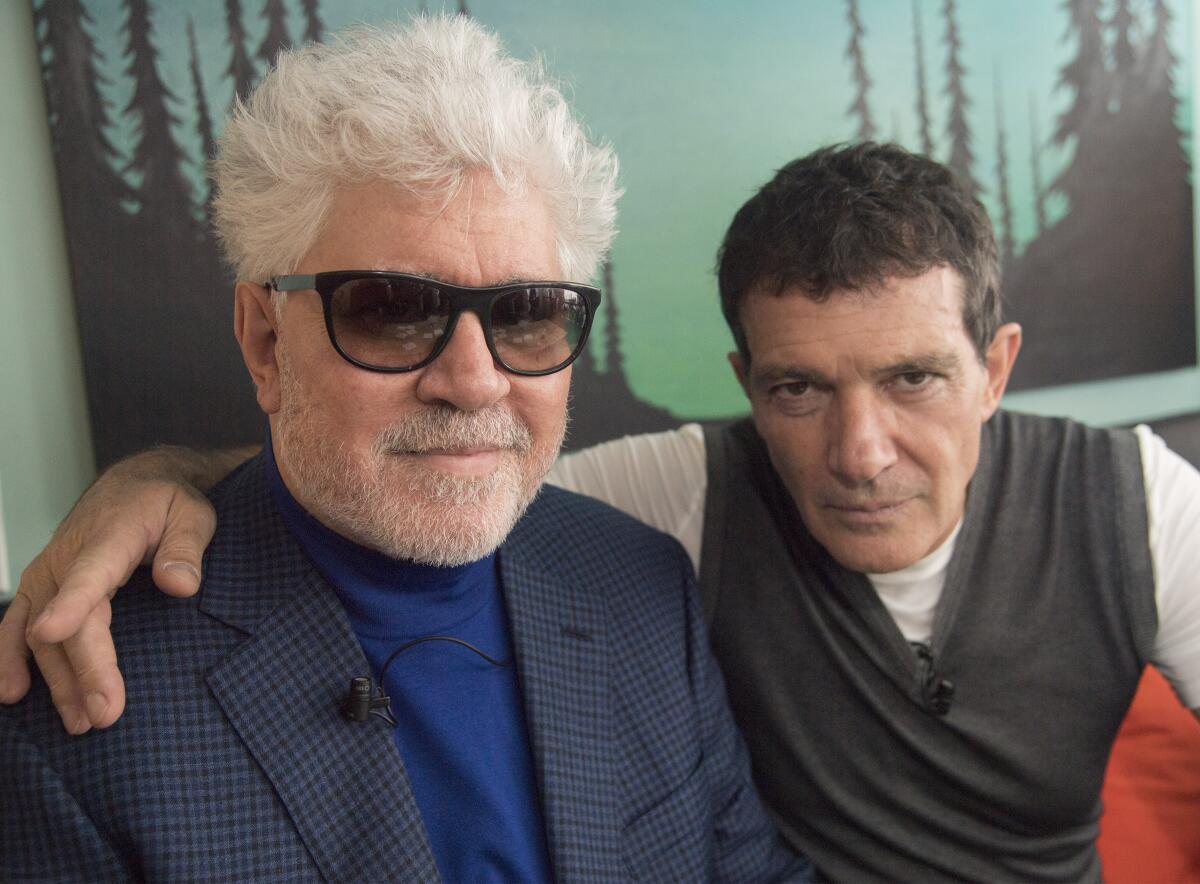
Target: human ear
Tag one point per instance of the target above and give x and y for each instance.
(741, 368)
(998, 362)
(256, 328)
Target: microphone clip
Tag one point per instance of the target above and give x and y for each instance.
(360, 705)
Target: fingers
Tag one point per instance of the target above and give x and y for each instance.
(102, 564)
(81, 673)
(14, 670)
(190, 525)
(93, 661)
(64, 688)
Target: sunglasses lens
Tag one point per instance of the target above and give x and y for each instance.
(388, 323)
(538, 328)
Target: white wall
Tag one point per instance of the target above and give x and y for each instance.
(45, 443)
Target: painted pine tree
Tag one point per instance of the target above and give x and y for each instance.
(314, 28)
(609, 408)
(958, 128)
(204, 126)
(164, 192)
(1035, 167)
(859, 108)
(1083, 125)
(241, 68)
(1004, 203)
(923, 123)
(79, 117)
(1115, 273)
(96, 204)
(614, 360)
(276, 37)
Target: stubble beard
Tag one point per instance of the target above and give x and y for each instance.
(386, 499)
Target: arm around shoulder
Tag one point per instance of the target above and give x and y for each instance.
(146, 507)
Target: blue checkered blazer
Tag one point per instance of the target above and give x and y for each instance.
(232, 762)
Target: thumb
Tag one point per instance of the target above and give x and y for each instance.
(191, 523)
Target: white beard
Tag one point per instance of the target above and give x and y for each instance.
(391, 502)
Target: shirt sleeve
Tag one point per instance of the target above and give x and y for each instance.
(1173, 510)
(658, 478)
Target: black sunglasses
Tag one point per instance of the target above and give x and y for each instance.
(385, 321)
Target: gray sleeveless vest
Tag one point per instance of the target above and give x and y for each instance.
(983, 759)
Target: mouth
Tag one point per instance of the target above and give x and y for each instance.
(458, 461)
(867, 512)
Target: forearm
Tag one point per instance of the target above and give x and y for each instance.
(187, 466)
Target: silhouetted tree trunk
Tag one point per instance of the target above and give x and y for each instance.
(276, 38)
(241, 68)
(1085, 122)
(614, 360)
(923, 125)
(958, 130)
(164, 192)
(203, 121)
(79, 115)
(1122, 23)
(1007, 246)
(1115, 274)
(1035, 164)
(313, 26)
(603, 405)
(96, 200)
(1157, 155)
(859, 108)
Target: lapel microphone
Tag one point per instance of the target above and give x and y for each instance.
(359, 705)
(363, 701)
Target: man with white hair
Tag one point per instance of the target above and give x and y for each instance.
(400, 206)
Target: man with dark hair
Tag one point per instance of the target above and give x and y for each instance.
(931, 614)
(847, 218)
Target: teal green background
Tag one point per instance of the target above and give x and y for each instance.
(703, 100)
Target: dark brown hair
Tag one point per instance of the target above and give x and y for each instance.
(850, 217)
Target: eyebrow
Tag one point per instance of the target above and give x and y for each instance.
(931, 363)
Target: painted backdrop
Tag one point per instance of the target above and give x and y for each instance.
(1072, 120)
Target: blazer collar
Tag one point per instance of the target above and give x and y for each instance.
(561, 646)
(282, 688)
(342, 783)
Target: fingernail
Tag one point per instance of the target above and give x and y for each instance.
(97, 705)
(75, 721)
(183, 569)
(44, 616)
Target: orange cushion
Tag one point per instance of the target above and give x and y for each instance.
(1150, 831)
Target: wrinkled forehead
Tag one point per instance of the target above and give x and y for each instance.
(940, 288)
(907, 314)
(481, 234)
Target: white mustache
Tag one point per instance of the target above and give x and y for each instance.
(445, 428)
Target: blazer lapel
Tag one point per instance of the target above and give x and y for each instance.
(561, 649)
(342, 783)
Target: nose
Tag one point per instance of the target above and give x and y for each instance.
(464, 375)
(861, 438)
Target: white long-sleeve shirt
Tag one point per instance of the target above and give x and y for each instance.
(661, 479)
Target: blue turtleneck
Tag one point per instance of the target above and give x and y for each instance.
(461, 729)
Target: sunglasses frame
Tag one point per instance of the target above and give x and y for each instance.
(476, 299)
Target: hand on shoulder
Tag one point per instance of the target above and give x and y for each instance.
(145, 509)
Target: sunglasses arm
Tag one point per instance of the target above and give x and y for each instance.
(294, 283)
